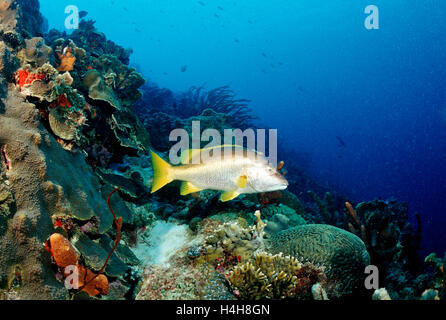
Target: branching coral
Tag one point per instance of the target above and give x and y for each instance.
(269, 276)
(233, 239)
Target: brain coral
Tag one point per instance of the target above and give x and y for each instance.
(343, 254)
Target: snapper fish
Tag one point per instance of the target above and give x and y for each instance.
(240, 171)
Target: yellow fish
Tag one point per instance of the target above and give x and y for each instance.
(242, 172)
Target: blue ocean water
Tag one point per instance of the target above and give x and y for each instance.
(365, 109)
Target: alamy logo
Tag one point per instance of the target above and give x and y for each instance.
(252, 139)
(372, 280)
(372, 20)
(72, 280)
(72, 20)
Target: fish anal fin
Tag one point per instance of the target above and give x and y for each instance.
(188, 188)
(228, 196)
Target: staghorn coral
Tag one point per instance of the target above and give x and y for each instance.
(269, 276)
(342, 254)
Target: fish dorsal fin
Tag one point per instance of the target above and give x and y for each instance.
(228, 196)
(242, 181)
(188, 188)
(189, 154)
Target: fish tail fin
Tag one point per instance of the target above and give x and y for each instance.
(162, 172)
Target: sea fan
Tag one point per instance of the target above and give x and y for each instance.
(221, 100)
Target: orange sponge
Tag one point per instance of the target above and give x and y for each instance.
(94, 284)
(67, 60)
(62, 251)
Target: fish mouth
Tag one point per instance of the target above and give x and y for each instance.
(283, 186)
(279, 187)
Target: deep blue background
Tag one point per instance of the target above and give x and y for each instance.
(314, 72)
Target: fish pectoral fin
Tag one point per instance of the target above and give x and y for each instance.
(228, 196)
(242, 181)
(188, 188)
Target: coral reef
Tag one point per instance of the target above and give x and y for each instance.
(279, 217)
(221, 100)
(67, 259)
(76, 125)
(342, 254)
(392, 243)
(62, 251)
(232, 241)
(218, 109)
(270, 276)
(381, 294)
(45, 182)
(439, 279)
